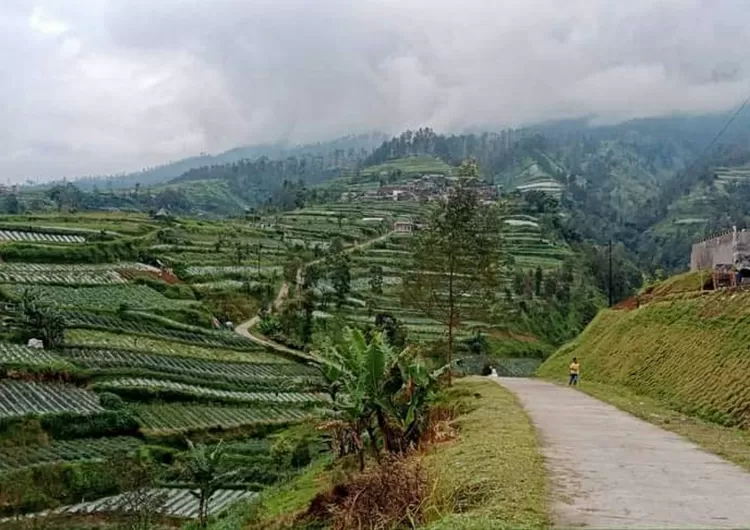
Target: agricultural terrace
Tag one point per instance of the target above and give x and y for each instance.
(529, 246)
(396, 171)
(140, 361)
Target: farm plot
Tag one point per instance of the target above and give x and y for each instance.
(172, 418)
(121, 341)
(171, 387)
(169, 330)
(219, 271)
(238, 372)
(18, 355)
(18, 398)
(172, 502)
(59, 274)
(14, 457)
(39, 237)
(107, 298)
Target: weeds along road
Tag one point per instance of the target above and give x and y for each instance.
(609, 469)
(244, 328)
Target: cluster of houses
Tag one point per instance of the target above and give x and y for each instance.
(429, 187)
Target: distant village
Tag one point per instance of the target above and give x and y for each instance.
(429, 187)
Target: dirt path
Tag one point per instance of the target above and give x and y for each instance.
(609, 469)
(244, 328)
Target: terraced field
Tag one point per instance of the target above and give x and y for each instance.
(132, 365)
(19, 398)
(40, 237)
(66, 451)
(105, 298)
(173, 502)
(174, 418)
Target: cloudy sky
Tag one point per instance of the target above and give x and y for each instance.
(101, 86)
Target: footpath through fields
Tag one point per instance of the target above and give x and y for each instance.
(609, 469)
(244, 328)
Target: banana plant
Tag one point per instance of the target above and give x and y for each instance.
(204, 470)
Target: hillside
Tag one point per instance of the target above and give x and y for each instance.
(361, 144)
(686, 349)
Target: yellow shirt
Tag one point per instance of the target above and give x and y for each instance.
(574, 368)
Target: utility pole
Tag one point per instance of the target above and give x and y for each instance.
(610, 272)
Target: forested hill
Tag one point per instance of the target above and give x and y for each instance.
(650, 184)
(336, 150)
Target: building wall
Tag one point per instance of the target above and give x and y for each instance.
(720, 250)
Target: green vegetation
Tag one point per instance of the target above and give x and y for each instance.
(688, 352)
(493, 475)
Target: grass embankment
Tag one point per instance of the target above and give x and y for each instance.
(491, 476)
(279, 506)
(681, 364)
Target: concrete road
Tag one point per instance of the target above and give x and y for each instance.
(609, 469)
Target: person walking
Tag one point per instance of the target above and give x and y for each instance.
(575, 371)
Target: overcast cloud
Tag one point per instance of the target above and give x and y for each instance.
(101, 86)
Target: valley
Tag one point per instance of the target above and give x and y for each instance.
(199, 349)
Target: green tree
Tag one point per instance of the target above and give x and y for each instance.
(340, 276)
(43, 321)
(538, 279)
(457, 258)
(376, 279)
(204, 470)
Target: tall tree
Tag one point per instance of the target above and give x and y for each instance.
(341, 277)
(456, 259)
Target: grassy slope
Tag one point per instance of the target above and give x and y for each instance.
(494, 474)
(691, 353)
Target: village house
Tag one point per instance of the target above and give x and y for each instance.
(403, 226)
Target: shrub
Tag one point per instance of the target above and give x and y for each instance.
(111, 401)
(67, 426)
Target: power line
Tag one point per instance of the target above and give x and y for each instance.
(720, 133)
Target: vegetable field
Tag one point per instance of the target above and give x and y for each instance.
(173, 502)
(60, 274)
(18, 398)
(66, 450)
(240, 372)
(39, 237)
(121, 341)
(172, 387)
(107, 298)
(169, 418)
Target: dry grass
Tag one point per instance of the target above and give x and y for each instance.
(390, 495)
(493, 476)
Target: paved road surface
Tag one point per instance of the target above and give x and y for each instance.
(609, 469)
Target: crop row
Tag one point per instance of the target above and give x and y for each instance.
(120, 341)
(246, 372)
(18, 398)
(178, 417)
(145, 385)
(191, 335)
(103, 298)
(13, 354)
(173, 502)
(224, 270)
(12, 457)
(39, 237)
